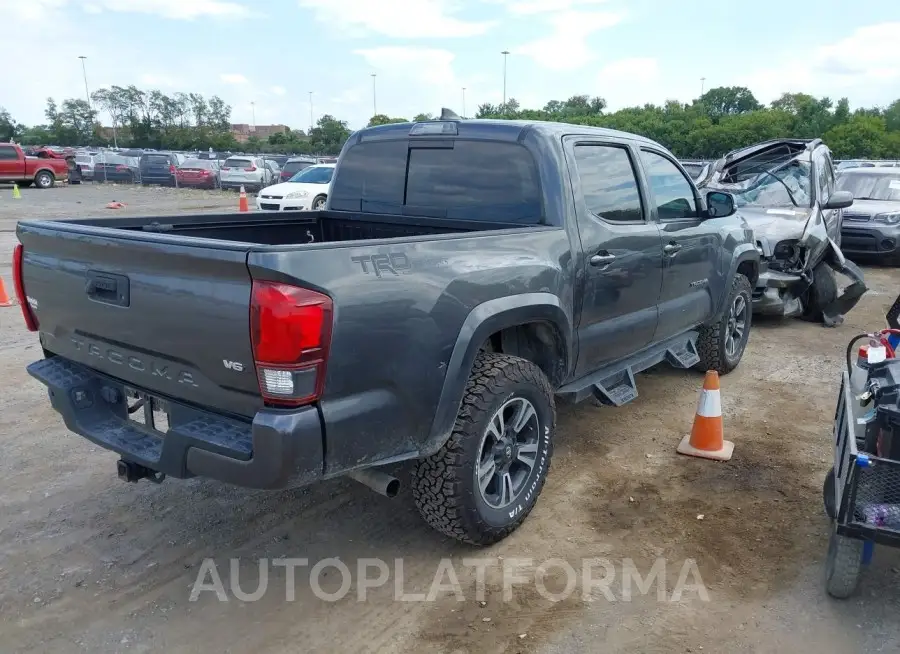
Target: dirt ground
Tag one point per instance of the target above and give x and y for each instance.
(89, 563)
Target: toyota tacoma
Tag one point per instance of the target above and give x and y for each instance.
(464, 276)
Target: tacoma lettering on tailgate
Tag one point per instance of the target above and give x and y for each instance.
(149, 366)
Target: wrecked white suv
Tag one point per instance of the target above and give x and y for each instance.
(785, 189)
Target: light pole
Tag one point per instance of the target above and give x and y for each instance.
(310, 112)
(374, 102)
(253, 109)
(464, 101)
(87, 93)
(505, 54)
(702, 86)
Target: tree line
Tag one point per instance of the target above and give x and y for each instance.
(722, 119)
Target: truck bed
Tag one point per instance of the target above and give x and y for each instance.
(291, 228)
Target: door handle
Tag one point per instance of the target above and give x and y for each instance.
(602, 259)
(672, 248)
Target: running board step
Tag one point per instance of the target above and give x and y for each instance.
(616, 390)
(684, 355)
(614, 385)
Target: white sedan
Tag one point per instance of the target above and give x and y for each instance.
(307, 190)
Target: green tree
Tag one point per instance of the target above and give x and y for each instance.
(8, 128)
(729, 100)
(418, 118)
(329, 135)
(382, 119)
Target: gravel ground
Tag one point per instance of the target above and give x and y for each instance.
(88, 563)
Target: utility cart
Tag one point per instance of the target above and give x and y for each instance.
(862, 491)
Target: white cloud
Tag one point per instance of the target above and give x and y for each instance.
(233, 78)
(628, 82)
(178, 9)
(421, 19)
(530, 7)
(864, 65)
(156, 80)
(566, 48)
(431, 66)
(278, 90)
(175, 9)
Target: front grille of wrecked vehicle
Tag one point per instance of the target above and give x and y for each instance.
(857, 217)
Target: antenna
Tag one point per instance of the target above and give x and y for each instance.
(449, 114)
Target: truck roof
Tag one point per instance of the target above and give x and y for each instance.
(497, 129)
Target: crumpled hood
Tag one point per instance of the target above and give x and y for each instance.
(776, 223)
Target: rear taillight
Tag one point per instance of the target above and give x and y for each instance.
(171, 169)
(121, 169)
(290, 328)
(251, 169)
(31, 321)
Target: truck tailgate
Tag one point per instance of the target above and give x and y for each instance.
(166, 317)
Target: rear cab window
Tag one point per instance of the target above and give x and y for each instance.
(459, 179)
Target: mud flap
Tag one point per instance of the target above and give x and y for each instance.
(833, 314)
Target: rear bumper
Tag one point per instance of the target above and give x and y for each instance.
(278, 449)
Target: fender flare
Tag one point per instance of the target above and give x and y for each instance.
(484, 320)
(742, 253)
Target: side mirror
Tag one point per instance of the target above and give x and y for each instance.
(719, 204)
(839, 200)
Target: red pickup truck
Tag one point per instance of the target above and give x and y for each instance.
(40, 171)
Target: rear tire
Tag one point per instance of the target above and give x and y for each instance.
(479, 488)
(44, 180)
(722, 344)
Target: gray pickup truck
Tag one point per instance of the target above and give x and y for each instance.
(465, 275)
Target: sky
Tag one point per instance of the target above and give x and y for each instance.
(272, 53)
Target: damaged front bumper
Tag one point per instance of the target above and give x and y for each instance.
(786, 294)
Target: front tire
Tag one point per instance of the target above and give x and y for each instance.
(722, 344)
(821, 293)
(485, 480)
(318, 203)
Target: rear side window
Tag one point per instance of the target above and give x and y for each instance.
(608, 183)
(7, 153)
(474, 180)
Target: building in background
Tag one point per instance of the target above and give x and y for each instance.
(242, 131)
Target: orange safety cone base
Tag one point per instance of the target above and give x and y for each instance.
(723, 454)
(5, 300)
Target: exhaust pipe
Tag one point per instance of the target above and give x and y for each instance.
(380, 482)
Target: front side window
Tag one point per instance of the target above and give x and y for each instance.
(672, 192)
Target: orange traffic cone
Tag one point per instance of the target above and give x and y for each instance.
(706, 439)
(5, 301)
(243, 205)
